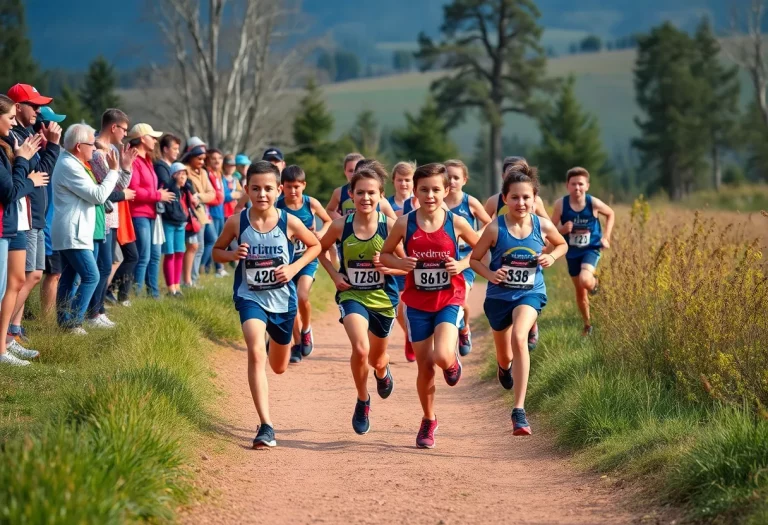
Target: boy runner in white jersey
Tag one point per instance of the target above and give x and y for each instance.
(264, 293)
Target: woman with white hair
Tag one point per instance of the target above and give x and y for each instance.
(76, 194)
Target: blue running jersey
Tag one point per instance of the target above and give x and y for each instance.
(305, 215)
(587, 233)
(520, 258)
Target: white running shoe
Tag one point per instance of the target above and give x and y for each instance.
(98, 322)
(78, 330)
(106, 320)
(19, 351)
(222, 273)
(126, 303)
(12, 360)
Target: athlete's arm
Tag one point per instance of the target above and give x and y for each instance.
(228, 234)
(557, 214)
(484, 244)
(551, 235)
(318, 210)
(386, 209)
(328, 241)
(490, 205)
(541, 209)
(333, 204)
(399, 252)
(297, 230)
(480, 214)
(242, 202)
(610, 218)
(389, 257)
(466, 232)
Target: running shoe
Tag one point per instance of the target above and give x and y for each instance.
(107, 321)
(20, 336)
(10, 359)
(384, 385)
(307, 343)
(126, 303)
(587, 331)
(98, 322)
(465, 342)
(19, 351)
(520, 423)
(452, 374)
(505, 377)
(410, 355)
(594, 290)
(426, 436)
(77, 330)
(533, 337)
(295, 354)
(360, 422)
(265, 437)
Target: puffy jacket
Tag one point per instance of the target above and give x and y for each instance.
(144, 183)
(14, 185)
(201, 185)
(177, 211)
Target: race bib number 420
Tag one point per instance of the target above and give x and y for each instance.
(520, 274)
(579, 238)
(363, 275)
(260, 274)
(431, 276)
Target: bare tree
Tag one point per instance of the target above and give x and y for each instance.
(226, 84)
(746, 47)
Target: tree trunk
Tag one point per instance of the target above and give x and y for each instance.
(495, 163)
(717, 172)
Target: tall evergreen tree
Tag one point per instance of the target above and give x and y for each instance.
(497, 64)
(424, 137)
(366, 135)
(721, 102)
(674, 136)
(313, 125)
(98, 91)
(15, 48)
(569, 137)
(69, 104)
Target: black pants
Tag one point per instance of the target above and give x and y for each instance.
(124, 275)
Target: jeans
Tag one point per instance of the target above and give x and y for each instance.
(198, 256)
(3, 266)
(102, 252)
(124, 274)
(218, 225)
(71, 300)
(148, 267)
(210, 236)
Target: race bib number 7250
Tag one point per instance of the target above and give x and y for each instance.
(363, 275)
(431, 276)
(260, 274)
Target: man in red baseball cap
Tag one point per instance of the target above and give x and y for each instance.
(29, 101)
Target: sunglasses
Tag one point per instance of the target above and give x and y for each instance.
(36, 107)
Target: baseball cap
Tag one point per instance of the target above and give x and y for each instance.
(139, 130)
(272, 154)
(26, 93)
(242, 160)
(229, 160)
(177, 167)
(48, 115)
(194, 142)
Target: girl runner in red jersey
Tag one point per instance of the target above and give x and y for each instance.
(434, 287)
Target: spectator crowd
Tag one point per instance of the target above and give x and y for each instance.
(91, 216)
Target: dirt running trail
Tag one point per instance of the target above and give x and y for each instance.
(322, 472)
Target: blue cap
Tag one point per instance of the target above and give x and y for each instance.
(273, 154)
(177, 167)
(242, 160)
(48, 115)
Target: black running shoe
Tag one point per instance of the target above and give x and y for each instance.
(453, 374)
(384, 385)
(265, 437)
(360, 422)
(295, 354)
(505, 378)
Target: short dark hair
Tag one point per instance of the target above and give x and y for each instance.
(293, 173)
(578, 171)
(262, 166)
(522, 173)
(430, 170)
(113, 116)
(366, 173)
(509, 161)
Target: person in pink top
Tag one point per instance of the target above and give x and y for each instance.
(144, 208)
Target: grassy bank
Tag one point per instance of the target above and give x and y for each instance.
(102, 429)
(670, 391)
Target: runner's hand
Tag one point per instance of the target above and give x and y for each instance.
(546, 260)
(242, 251)
(340, 280)
(605, 242)
(452, 266)
(499, 275)
(408, 264)
(285, 273)
(567, 227)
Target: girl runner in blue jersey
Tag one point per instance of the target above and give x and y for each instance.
(577, 216)
(470, 208)
(264, 292)
(516, 292)
(402, 178)
(367, 293)
(306, 208)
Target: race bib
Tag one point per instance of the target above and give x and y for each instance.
(521, 275)
(363, 275)
(260, 274)
(579, 238)
(431, 276)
